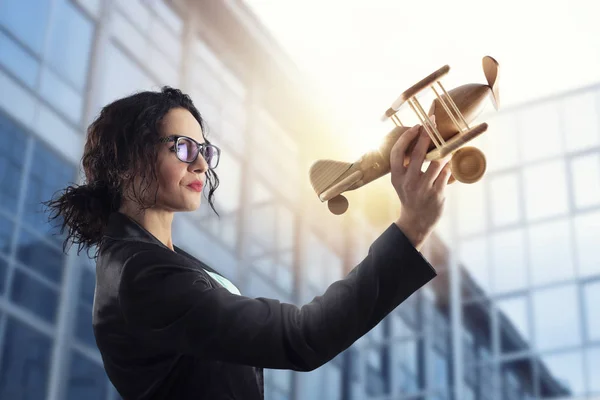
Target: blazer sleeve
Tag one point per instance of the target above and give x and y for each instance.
(174, 308)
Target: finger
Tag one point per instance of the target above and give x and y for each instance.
(434, 169)
(442, 179)
(418, 154)
(402, 144)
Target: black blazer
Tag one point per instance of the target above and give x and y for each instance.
(167, 330)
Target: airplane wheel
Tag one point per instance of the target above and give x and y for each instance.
(338, 205)
(468, 164)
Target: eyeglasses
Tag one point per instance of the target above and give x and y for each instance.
(187, 150)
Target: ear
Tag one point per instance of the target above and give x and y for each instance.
(491, 69)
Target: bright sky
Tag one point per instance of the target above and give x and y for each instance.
(362, 54)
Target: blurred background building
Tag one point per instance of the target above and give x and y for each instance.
(513, 313)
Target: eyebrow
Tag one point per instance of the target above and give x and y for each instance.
(174, 135)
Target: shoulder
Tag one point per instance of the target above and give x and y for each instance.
(150, 263)
(156, 286)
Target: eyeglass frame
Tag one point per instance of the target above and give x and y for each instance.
(175, 138)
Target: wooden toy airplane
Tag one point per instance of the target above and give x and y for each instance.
(453, 111)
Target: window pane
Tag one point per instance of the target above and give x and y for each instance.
(70, 43)
(204, 247)
(593, 369)
(334, 266)
(285, 278)
(12, 158)
(27, 20)
(509, 267)
(169, 44)
(471, 209)
(285, 225)
(230, 180)
(262, 225)
(16, 100)
(502, 134)
(406, 352)
(591, 293)
(129, 36)
(399, 328)
(207, 56)
(39, 256)
(514, 315)
(87, 286)
(6, 234)
(515, 380)
(487, 389)
(87, 380)
(580, 113)
(168, 16)
(324, 382)
(404, 366)
(18, 61)
(468, 393)
(540, 131)
(545, 190)
(25, 362)
(229, 230)
(83, 325)
(504, 197)
(60, 95)
(550, 252)
(265, 264)
(92, 6)
(474, 256)
(49, 124)
(585, 172)
(165, 73)
(3, 272)
(313, 260)
(122, 77)
(441, 377)
(137, 12)
(556, 329)
(37, 296)
(44, 182)
(567, 369)
(233, 133)
(587, 232)
(477, 318)
(257, 286)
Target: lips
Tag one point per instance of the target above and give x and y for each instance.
(197, 186)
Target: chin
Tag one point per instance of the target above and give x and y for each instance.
(193, 206)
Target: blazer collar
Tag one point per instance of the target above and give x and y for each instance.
(122, 227)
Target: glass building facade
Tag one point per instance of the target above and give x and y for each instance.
(510, 316)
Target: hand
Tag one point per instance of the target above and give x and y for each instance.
(421, 194)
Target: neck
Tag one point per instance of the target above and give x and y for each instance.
(157, 222)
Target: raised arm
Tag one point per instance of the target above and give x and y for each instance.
(175, 309)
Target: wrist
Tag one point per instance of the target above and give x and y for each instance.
(415, 235)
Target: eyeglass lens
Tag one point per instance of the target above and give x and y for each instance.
(187, 151)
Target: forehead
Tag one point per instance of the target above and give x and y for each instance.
(179, 121)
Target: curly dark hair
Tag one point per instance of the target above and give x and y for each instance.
(120, 145)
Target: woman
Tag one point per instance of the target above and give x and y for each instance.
(170, 327)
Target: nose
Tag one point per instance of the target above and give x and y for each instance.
(200, 165)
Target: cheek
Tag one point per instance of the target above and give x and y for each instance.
(171, 175)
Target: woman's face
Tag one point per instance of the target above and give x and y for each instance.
(174, 175)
